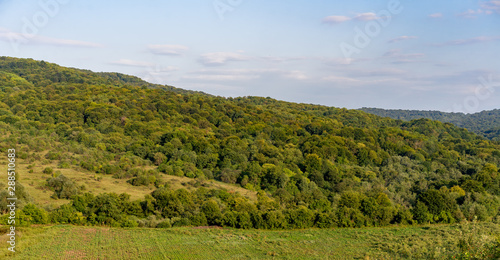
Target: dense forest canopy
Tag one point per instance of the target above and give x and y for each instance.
(310, 165)
(485, 123)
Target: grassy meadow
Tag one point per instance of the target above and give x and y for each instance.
(80, 242)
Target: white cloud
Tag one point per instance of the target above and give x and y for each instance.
(158, 74)
(223, 75)
(66, 42)
(220, 75)
(399, 57)
(402, 38)
(172, 50)
(342, 61)
(281, 59)
(20, 38)
(221, 58)
(341, 79)
(347, 82)
(222, 89)
(383, 72)
(436, 15)
(491, 6)
(470, 14)
(487, 7)
(295, 74)
(366, 17)
(133, 63)
(458, 82)
(475, 40)
(336, 19)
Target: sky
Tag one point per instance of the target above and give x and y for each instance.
(393, 54)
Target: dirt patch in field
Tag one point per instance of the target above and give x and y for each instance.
(208, 227)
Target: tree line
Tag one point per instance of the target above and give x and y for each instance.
(484, 123)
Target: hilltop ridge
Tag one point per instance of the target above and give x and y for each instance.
(484, 123)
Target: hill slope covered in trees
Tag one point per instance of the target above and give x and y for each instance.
(485, 123)
(311, 166)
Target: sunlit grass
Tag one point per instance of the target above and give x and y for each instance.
(35, 182)
(70, 242)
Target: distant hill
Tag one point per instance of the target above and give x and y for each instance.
(43, 73)
(485, 123)
(184, 158)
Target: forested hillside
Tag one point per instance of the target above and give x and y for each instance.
(485, 123)
(311, 166)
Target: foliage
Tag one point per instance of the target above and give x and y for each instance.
(313, 166)
(63, 187)
(485, 123)
(31, 214)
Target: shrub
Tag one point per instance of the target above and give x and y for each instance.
(31, 214)
(182, 222)
(66, 214)
(164, 224)
(63, 187)
(48, 170)
(212, 212)
(129, 223)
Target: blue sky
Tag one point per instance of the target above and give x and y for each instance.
(429, 55)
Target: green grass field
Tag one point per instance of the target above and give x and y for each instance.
(72, 242)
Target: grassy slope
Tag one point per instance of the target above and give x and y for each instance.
(35, 183)
(70, 242)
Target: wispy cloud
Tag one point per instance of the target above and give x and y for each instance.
(402, 38)
(343, 61)
(341, 79)
(157, 73)
(20, 38)
(221, 75)
(487, 7)
(282, 59)
(399, 57)
(436, 15)
(366, 17)
(383, 72)
(336, 19)
(295, 74)
(475, 40)
(171, 50)
(221, 58)
(133, 63)
(459, 82)
(491, 6)
(470, 14)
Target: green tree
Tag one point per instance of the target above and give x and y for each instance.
(212, 212)
(31, 214)
(63, 187)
